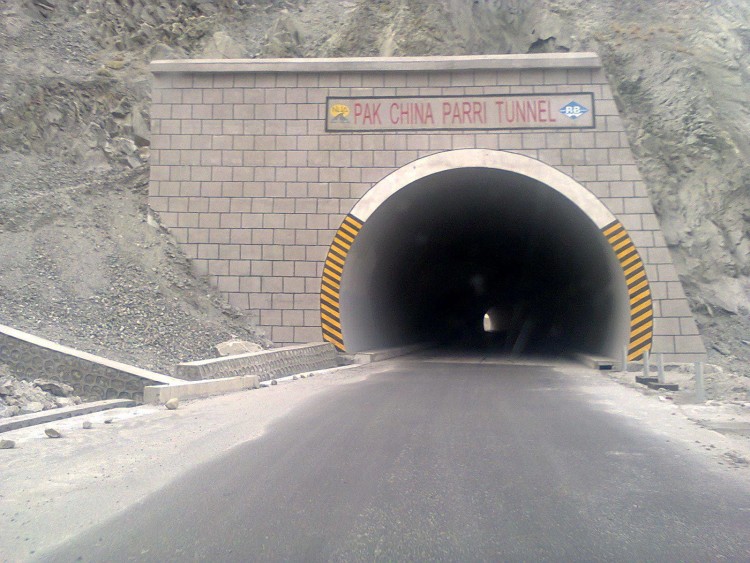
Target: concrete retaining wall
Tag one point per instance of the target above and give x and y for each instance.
(93, 378)
(267, 364)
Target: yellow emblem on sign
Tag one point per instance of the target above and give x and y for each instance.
(340, 113)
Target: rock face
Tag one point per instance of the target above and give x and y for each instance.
(222, 46)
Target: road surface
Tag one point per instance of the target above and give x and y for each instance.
(440, 460)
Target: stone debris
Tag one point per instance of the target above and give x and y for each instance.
(235, 346)
(58, 389)
(32, 407)
(107, 421)
(87, 425)
(172, 404)
(274, 382)
(52, 433)
(7, 444)
(18, 396)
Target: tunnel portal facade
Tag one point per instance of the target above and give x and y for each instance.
(491, 202)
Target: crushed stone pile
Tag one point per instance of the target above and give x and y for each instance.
(18, 396)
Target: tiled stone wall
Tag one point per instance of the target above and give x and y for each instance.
(92, 378)
(266, 365)
(247, 179)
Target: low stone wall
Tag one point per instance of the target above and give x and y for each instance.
(266, 365)
(92, 377)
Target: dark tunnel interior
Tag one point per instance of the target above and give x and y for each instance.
(487, 260)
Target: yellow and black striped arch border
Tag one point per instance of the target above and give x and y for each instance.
(639, 293)
(330, 319)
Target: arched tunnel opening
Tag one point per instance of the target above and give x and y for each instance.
(487, 260)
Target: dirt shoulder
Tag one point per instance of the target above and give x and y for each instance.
(718, 430)
(53, 489)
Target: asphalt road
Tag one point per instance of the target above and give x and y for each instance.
(440, 461)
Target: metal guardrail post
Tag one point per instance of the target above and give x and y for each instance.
(624, 356)
(700, 388)
(646, 367)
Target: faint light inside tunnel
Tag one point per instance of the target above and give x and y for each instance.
(482, 259)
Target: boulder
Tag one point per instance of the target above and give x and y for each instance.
(160, 52)
(172, 404)
(222, 46)
(31, 407)
(52, 433)
(55, 388)
(7, 444)
(141, 131)
(236, 346)
(6, 411)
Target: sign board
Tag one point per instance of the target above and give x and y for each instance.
(484, 112)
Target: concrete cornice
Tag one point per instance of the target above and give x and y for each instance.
(380, 64)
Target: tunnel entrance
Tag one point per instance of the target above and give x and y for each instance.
(477, 257)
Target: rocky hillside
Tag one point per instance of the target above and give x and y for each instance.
(83, 264)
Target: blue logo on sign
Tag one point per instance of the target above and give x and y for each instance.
(573, 110)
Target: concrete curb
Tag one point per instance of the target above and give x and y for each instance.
(157, 394)
(305, 375)
(51, 415)
(369, 356)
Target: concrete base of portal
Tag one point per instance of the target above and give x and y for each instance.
(596, 362)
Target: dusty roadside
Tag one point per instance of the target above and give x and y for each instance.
(719, 431)
(52, 489)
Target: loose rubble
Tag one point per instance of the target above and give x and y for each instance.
(18, 396)
(235, 346)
